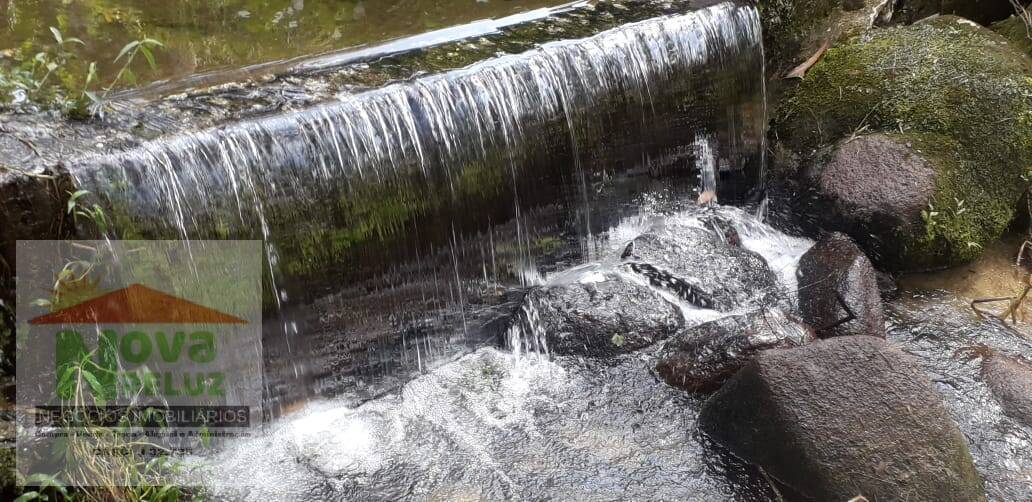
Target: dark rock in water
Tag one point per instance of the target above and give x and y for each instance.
(844, 417)
(874, 188)
(702, 267)
(602, 318)
(723, 229)
(702, 358)
(1010, 380)
(887, 285)
(838, 290)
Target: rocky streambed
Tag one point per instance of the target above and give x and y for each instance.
(619, 384)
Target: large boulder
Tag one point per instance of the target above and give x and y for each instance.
(701, 358)
(954, 101)
(704, 265)
(874, 187)
(840, 418)
(838, 290)
(598, 319)
(1010, 380)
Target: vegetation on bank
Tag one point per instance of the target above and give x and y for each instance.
(958, 93)
(53, 76)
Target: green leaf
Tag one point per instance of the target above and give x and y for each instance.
(73, 40)
(73, 199)
(125, 50)
(152, 42)
(93, 97)
(150, 57)
(618, 340)
(95, 386)
(57, 35)
(27, 496)
(129, 76)
(91, 74)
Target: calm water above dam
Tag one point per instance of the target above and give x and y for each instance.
(204, 35)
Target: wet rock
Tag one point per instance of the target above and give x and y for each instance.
(723, 229)
(1010, 380)
(838, 290)
(947, 97)
(888, 286)
(840, 418)
(703, 267)
(599, 319)
(702, 358)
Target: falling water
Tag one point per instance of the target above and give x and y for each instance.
(383, 212)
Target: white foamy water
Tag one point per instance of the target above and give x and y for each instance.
(504, 424)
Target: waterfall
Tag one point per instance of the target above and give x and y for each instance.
(400, 199)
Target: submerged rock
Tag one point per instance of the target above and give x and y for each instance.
(838, 290)
(705, 267)
(1010, 380)
(840, 418)
(600, 319)
(952, 100)
(702, 358)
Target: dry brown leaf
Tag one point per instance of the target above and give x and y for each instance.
(707, 197)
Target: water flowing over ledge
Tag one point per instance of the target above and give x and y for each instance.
(623, 99)
(402, 217)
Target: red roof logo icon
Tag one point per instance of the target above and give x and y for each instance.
(137, 304)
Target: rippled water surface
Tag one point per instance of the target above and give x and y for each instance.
(202, 35)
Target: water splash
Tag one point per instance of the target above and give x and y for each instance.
(396, 219)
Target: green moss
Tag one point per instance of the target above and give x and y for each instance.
(964, 214)
(8, 471)
(787, 23)
(959, 93)
(1016, 32)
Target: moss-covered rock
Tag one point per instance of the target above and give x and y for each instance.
(788, 24)
(1016, 32)
(959, 94)
(794, 29)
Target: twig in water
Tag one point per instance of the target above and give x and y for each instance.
(26, 173)
(31, 145)
(982, 313)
